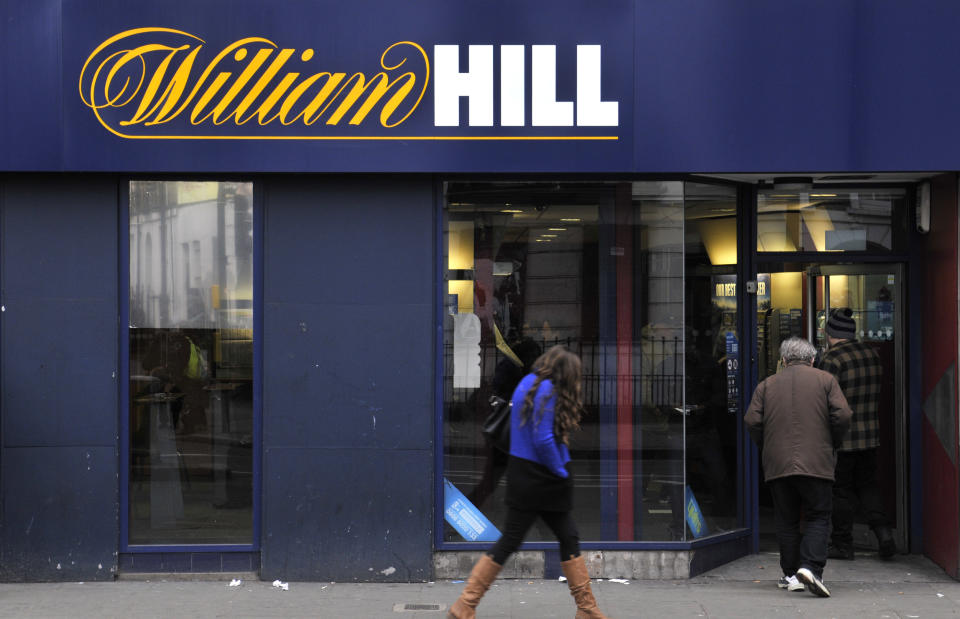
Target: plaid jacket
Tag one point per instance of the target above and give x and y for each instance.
(858, 370)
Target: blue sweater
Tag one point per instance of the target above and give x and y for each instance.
(536, 441)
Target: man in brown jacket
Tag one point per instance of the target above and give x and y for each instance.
(798, 417)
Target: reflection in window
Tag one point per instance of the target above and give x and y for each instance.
(822, 220)
(624, 274)
(191, 363)
(713, 354)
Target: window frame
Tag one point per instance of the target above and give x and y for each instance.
(123, 324)
(745, 530)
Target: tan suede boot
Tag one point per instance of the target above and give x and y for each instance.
(481, 577)
(579, 582)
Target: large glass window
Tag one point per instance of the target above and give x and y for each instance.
(191, 363)
(830, 220)
(639, 280)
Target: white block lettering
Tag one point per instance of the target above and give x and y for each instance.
(450, 84)
(512, 95)
(591, 111)
(546, 110)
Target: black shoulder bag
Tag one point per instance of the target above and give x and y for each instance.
(496, 427)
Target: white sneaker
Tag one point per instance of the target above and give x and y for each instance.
(790, 583)
(814, 584)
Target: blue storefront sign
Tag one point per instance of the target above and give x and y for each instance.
(463, 516)
(491, 86)
(382, 87)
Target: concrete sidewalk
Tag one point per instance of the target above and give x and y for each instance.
(907, 587)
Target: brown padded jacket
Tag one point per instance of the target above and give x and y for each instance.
(797, 417)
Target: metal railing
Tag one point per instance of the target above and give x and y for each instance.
(655, 376)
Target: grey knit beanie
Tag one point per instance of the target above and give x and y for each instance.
(841, 324)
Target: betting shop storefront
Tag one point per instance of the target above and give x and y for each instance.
(264, 264)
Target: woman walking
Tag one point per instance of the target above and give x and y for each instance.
(546, 407)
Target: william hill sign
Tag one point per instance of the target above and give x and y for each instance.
(166, 84)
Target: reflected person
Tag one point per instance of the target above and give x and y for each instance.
(506, 377)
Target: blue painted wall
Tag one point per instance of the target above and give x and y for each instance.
(348, 409)
(58, 354)
(703, 85)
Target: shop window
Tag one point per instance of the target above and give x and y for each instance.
(191, 363)
(639, 280)
(830, 220)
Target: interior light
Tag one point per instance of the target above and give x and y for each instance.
(511, 210)
(557, 229)
(823, 195)
(569, 219)
(549, 236)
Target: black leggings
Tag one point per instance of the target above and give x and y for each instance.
(519, 522)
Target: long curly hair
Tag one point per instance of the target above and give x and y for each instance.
(563, 369)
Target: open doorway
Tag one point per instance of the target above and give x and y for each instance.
(795, 300)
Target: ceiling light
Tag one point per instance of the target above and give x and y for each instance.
(793, 183)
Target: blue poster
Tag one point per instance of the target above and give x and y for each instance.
(698, 526)
(465, 517)
(733, 373)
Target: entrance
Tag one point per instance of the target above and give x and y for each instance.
(795, 300)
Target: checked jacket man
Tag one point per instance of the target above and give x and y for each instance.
(858, 370)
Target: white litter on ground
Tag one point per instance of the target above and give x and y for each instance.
(620, 580)
(281, 585)
(234, 583)
(563, 579)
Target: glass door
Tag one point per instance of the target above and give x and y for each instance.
(874, 294)
(794, 299)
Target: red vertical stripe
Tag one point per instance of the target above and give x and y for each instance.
(624, 262)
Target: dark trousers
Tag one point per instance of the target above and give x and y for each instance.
(494, 467)
(519, 522)
(855, 488)
(807, 502)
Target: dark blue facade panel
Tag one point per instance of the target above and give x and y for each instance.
(31, 127)
(59, 385)
(58, 351)
(745, 86)
(59, 514)
(347, 515)
(354, 240)
(348, 378)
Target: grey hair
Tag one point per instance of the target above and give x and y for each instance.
(797, 349)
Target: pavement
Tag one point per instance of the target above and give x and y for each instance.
(908, 587)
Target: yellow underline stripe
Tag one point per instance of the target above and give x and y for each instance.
(368, 137)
